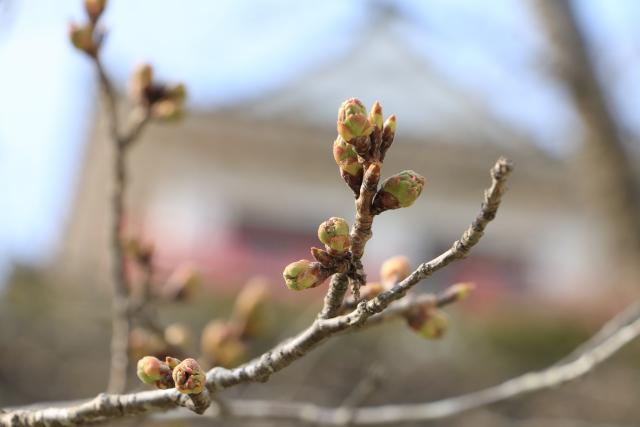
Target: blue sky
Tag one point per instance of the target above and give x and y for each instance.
(230, 51)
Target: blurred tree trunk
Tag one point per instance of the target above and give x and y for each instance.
(605, 168)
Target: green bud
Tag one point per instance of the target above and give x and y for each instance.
(352, 120)
(346, 157)
(148, 369)
(151, 370)
(395, 269)
(428, 322)
(390, 124)
(303, 274)
(189, 377)
(398, 191)
(375, 116)
(334, 233)
(388, 133)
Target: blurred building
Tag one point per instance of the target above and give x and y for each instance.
(240, 190)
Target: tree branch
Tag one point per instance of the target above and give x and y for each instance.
(121, 317)
(392, 414)
(105, 407)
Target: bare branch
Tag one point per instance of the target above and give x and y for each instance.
(121, 317)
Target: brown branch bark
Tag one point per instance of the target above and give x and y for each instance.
(360, 235)
(106, 407)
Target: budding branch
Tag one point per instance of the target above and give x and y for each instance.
(105, 407)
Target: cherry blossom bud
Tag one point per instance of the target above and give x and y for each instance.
(151, 370)
(189, 377)
(334, 233)
(398, 191)
(352, 120)
(304, 274)
(375, 116)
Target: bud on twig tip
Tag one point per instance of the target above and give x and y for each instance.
(375, 116)
(352, 120)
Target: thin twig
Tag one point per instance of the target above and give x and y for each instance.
(121, 317)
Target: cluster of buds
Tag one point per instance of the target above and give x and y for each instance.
(186, 376)
(365, 139)
(362, 139)
(165, 102)
(362, 143)
(305, 274)
(87, 37)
